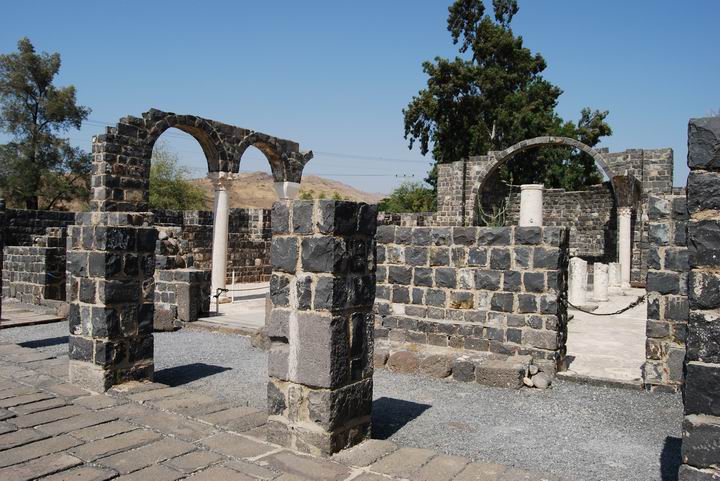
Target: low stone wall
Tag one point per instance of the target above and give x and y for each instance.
(406, 219)
(36, 274)
(248, 240)
(181, 295)
(667, 297)
(501, 290)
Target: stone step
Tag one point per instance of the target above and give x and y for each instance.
(487, 369)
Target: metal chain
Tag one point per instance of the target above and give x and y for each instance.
(635, 303)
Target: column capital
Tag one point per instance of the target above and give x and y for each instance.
(221, 180)
(624, 210)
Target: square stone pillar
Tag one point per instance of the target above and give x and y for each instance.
(321, 324)
(110, 265)
(701, 428)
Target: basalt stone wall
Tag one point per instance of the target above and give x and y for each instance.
(22, 226)
(501, 290)
(321, 324)
(36, 274)
(701, 427)
(248, 240)
(180, 295)
(667, 296)
(589, 214)
(110, 265)
(406, 219)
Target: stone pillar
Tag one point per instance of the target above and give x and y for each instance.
(625, 244)
(221, 213)
(287, 190)
(531, 205)
(321, 325)
(614, 276)
(577, 282)
(110, 266)
(701, 428)
(600, 282)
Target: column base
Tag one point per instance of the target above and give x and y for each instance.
(99, 379)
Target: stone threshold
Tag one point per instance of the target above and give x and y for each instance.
(146, 430)
(636, 384)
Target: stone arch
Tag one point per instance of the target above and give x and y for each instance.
(122, 155)
(495, 159)
(285, 158)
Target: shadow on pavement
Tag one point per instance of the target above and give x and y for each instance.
(390, 415)
(51, 341)
(670, 459)
(176, 376)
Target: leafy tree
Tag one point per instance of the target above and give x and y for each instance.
(492, 96)
(38, 163)
(409, 197)
(170, 187)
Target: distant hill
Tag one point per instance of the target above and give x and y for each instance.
(255, 189)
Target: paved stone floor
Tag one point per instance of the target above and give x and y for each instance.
(609, 347)
(246, 314)
(53, 430)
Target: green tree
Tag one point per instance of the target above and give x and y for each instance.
(170, 187)
(38, 163)
(492, 96)
(409, 197)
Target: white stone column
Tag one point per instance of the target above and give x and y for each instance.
(221, 212)
(287, 190)
(614, 277)
(577, 282)
(531, 205)
(625, 245)
(600, 282)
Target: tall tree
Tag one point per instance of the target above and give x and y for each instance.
(492, 96)
(34, 112)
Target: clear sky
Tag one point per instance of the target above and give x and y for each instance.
(335, 75)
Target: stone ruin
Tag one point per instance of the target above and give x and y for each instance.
(483, 304)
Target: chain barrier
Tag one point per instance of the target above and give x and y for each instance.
(635, 303)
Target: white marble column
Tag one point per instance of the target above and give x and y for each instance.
(531, 205)
(625, 244)
(221, 211)
(287, 190)
(600, 282)
(577, 282)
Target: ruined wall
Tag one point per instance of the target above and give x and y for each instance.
(475, 288)
(22, 226)
(406, 219)
(589, 214)
(248, 240)
(667, 297)
(180, 295)
(36, 274)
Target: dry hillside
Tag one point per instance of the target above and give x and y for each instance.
(255, 189)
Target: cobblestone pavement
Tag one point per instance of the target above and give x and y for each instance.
(573, 430)
(53, 430)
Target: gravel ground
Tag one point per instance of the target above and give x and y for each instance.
(571, 431)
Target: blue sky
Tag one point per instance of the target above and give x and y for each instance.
(335, 75)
